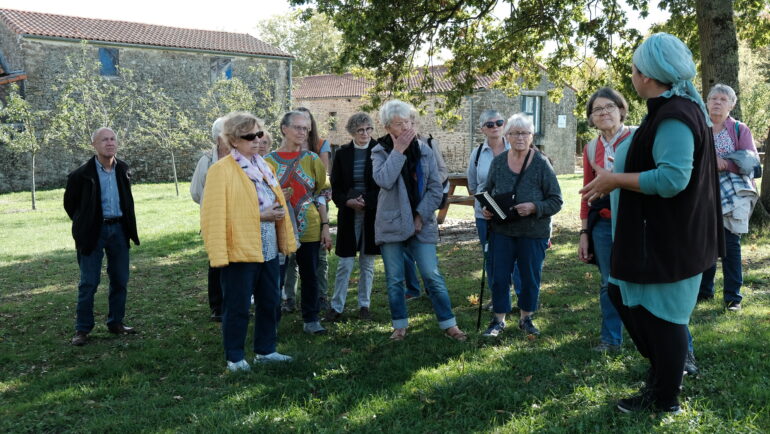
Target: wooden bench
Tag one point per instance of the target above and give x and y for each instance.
(455, 179)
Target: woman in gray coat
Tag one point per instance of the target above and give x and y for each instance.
(410, 192)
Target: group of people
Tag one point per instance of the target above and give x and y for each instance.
(658, 203)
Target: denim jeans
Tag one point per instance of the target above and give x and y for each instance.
(345, 267)
(612, 326)
(427, 261)
(307, 260)
(732, 271)
(112, 240)
(241, 280)
(481, 229)
(529, 254)
(289, 278)
(410, 275)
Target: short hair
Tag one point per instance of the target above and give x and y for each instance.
(394, 108)
(237, 124)
(216, 128)
(724, 89)
(286, 119)
(486, 115)
(519, 120)
(357, 120)
(610, 94)
(96, 131)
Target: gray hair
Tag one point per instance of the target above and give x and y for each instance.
(357, 120)
(519, 120)
(486, 115)
(394, 108)
(724, 89)
(96, 131)
(216, 128)
(286, 119)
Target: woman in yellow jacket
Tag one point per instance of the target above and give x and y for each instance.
(243, 228)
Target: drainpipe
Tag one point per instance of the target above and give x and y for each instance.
(470, 121)
(288, 107)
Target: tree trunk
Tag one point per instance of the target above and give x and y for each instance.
(173, 167)
(761, 216)
(718, 47)
(34, 202)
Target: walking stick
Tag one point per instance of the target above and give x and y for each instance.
(483, 277)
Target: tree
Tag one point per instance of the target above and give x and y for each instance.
(21, 130)
(313, 40)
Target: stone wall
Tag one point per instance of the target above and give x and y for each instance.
(184, 76)
(458, 141)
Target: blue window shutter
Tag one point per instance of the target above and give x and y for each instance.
(108, 58)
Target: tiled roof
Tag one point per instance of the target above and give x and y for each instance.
(347, 85)
(41, 24)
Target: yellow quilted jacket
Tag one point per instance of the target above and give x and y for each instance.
(230, 217)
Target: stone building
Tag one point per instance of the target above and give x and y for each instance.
(184, 62)
(334, 98)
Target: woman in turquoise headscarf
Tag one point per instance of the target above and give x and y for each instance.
(666, 215)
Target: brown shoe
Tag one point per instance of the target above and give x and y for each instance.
(364, 314)
(121, 329)
(80, 338)
(332, 316)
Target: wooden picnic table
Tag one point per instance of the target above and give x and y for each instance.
(455, 179)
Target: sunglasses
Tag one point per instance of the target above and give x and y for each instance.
(250, 137)
(492, 124)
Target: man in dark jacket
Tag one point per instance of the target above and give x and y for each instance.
(98, 200)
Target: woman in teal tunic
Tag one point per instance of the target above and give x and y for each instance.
(665, 216)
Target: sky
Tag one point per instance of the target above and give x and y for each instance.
(240, 16)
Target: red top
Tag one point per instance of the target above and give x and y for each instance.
(588, 171)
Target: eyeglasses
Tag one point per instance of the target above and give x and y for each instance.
(300, 128)
(609, 108)
(519, 133)
(251, 137)
(367, 130)
(492, 124)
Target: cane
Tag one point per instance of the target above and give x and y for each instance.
(483, 277)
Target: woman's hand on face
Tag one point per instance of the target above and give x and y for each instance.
(326, 238)
(273, 214)
(487, 215)
(721, 164)
(401, 143)
(525, 209)
(583, 254)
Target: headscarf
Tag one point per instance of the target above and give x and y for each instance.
(667, 59)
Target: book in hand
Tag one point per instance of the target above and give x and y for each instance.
(500, 205)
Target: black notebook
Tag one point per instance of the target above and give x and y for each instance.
(501, 205)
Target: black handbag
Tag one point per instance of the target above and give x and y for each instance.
(502, 205)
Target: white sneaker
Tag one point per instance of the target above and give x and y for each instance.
(314, 328)
(272, 358)
(243, 365)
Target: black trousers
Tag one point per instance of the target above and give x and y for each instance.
(215, 291)
(663, 343)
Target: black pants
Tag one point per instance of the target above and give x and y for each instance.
(663, 343)
(215, 291)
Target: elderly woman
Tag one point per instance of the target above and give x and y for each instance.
(606, 110)
(303, 175)
(355, 194)
(492, 124)
(666, 217)
(410, 193)
(241, 189)
(527, 175)
(265, 144)
(730, 136)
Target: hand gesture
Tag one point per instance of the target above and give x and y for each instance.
(401, 143)
(601, 186)
(525, 209)
(487, 214)
(583, 254)
(273, 214)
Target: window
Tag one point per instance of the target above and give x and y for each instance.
(108, 57)
(332, 121)
(221, 69)
(532, 105)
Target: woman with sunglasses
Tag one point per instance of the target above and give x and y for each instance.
(302, 175)
(242, 189)
(355, 194)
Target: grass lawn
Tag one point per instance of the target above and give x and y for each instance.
(171, 376)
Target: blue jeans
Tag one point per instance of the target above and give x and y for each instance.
(612, 325)
(732, 271)
(410, 275)
(112, 240)
(241, 280)
(481, 228)
(427, 261)
(529, 254)
(307, 261)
